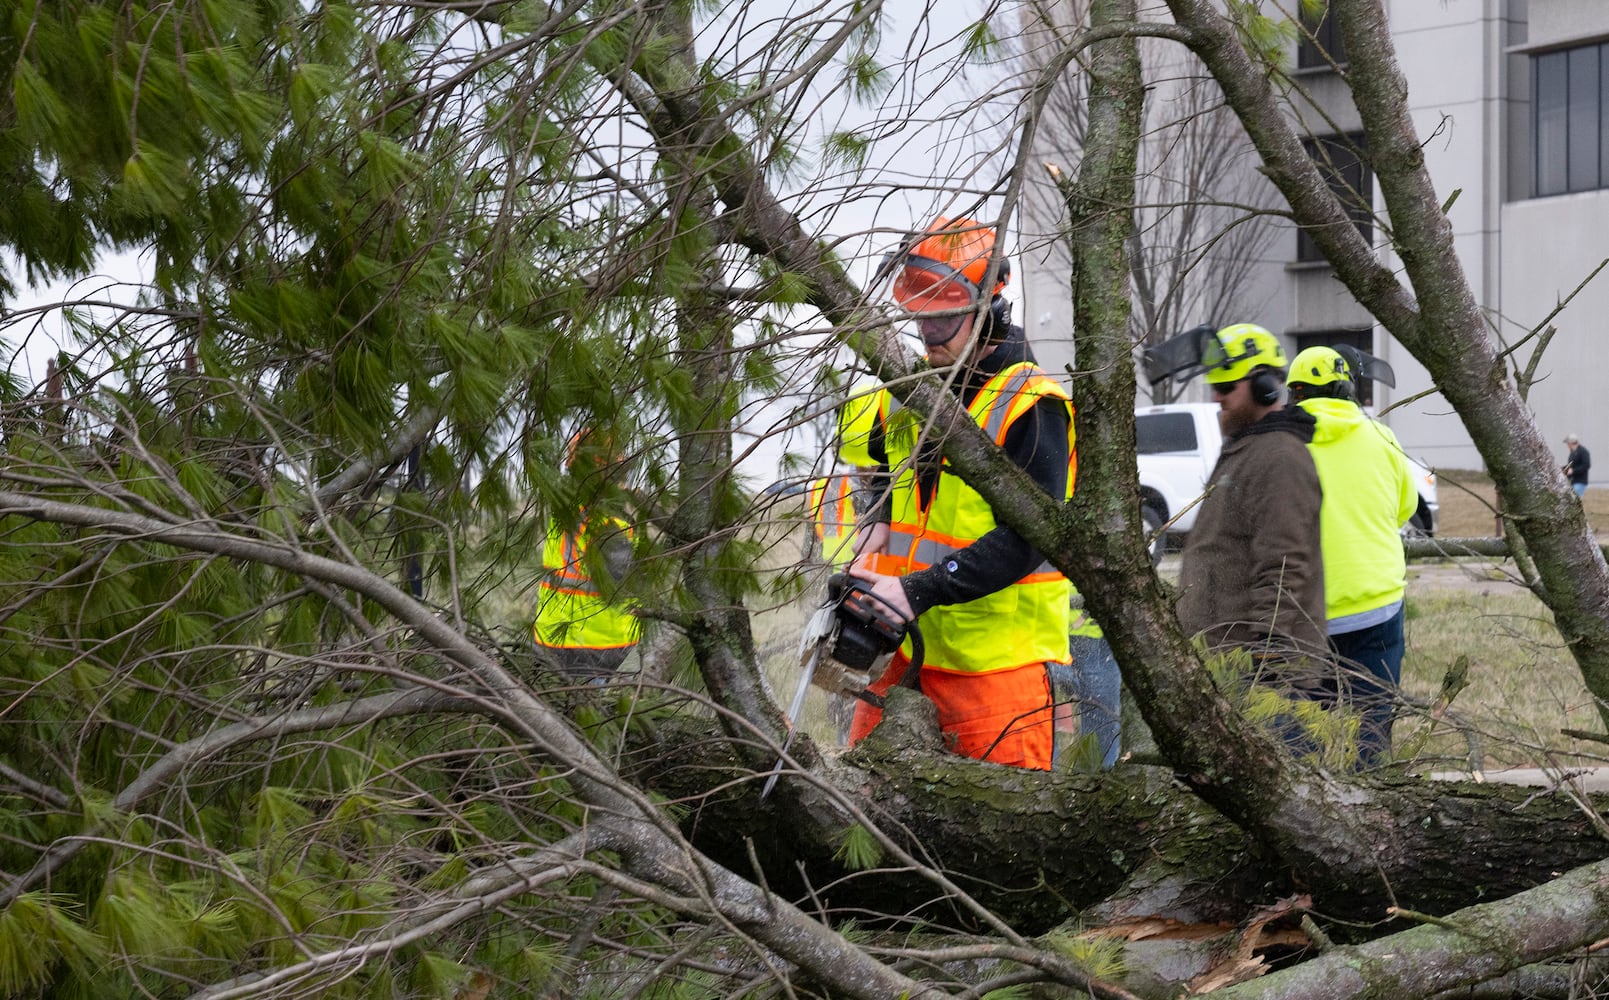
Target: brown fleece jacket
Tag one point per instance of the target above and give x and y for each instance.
(1253, 571)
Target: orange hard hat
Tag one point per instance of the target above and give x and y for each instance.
(599, 447)
(946, 269)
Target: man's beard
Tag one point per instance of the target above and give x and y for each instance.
(1232, 422)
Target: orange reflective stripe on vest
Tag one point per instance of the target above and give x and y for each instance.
(832, 514)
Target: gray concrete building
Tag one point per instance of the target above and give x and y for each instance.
(1511, 101)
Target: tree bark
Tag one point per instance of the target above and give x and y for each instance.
(1038, 848)
(1462, 949)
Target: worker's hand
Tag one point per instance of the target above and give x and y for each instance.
(870, 541)
(887, 590)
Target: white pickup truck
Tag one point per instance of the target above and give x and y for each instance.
(1178, 445)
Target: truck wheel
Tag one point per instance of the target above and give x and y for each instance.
(1421, 525)
(1156, 540)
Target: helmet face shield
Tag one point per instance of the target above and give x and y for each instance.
(937, 330)
(930, 286)
(1229, 355)
(1216, 360)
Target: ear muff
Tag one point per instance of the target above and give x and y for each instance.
(1307, 390)
(1265, 386)
(999, 326)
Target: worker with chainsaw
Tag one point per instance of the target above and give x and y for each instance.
(579, 631)
(1369, 494)
(991, 613)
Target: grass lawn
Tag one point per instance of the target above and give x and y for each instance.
(1523, 687)
(1468, 505)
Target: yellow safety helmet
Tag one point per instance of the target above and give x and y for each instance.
(1319, 366)
(1233, 352)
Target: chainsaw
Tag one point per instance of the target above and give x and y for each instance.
(844, 642)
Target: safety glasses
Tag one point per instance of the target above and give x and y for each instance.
(931, 286)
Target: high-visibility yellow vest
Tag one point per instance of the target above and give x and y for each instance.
(857, 418)
(571, 612)
(832, 515)
(1022, 624)
(1081, 622)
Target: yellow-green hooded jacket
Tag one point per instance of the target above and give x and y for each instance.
(1369, 494)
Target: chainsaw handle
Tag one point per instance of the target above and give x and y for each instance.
(913, 673)
(857, 603)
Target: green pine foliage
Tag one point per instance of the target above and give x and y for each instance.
(982, 43)
(1269, 37)
(1321, 729)
(858, 849)
(356, 218)
(38, 933)
(1099, 955)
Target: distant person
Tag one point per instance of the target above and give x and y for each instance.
(1577, 464)
(1369, 494)
(578, 631)
(992, 614)
(1253, 573)
(1089, 693)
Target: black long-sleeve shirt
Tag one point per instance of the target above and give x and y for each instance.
(1578, 463)
(1036, 442)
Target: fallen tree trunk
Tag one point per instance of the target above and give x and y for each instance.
(1452, 548)
(1459, 950)
(1039, 849)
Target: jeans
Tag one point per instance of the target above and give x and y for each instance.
(1579, 488)
(1094, 687)
(1375, 656)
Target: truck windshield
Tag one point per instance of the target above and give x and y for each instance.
(1160, 433)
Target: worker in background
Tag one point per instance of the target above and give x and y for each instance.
(835, 500)
(831, 506)
(993, 615)
(1089, 696)
(836, 503)
(1369, 494)
(1577, 464)
(1253, 573)
(579, 630)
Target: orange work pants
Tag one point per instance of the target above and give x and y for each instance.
(1003, 716)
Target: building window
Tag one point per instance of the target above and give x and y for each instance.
(1569, 140)
(1320, 44)
(1342, 159)
(1363, 340)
